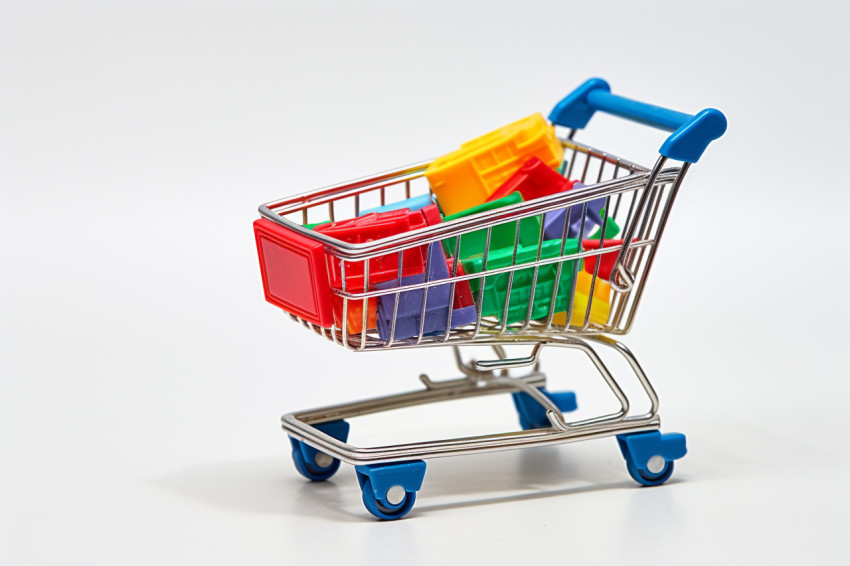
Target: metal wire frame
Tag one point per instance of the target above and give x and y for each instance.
(487, 380)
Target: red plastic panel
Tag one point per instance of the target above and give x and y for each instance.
(533, 180)
(295, 274)
(374, 226)
(607, 260)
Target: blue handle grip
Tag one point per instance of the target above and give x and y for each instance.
(691, 134)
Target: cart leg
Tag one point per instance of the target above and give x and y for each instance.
(389, 490)
(310, 462)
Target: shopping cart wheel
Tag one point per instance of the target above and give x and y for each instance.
(389, 490)
(649, 455)
(533, 415)
(312, 463)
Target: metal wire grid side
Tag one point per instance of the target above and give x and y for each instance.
(636, 198)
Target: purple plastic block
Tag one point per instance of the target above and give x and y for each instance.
(435, 323)
(410, 302)
(553, 222)
(408, 315)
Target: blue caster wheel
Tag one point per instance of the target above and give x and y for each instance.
(310, 462)
(649, 455)
(395, 504)
(649, 478)
(389, 490)
(532, 415)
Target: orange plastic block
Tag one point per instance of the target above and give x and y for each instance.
(354, 316)
(466, 177)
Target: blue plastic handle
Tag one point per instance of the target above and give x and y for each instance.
(691, 134)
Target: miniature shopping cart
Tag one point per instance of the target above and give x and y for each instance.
(570, 291)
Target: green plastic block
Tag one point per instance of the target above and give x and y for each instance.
(314, 224)
(501, 236)
(496, 286)
(611, 229)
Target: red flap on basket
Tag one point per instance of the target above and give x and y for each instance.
(295, 274)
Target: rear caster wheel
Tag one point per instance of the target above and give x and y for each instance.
(310, 462)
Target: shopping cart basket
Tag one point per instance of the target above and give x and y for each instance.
(572, 290)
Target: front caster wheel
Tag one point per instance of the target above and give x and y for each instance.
(389, 490)
(396, 502)
(649, 455)
(649, 478)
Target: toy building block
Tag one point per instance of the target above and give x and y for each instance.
(496, 286)
(501, 235)
(533, 180)
(600, 307)
(408, 306)
(466, 177)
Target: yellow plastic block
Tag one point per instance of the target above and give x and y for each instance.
(466, 177)
(599, 309)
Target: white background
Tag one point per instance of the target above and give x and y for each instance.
(142, 375)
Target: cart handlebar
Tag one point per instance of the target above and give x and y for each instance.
(691, 134)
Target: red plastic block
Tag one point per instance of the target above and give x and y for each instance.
(533, 180)
(607, 260)
(463, 293)
(372, 227)
(295, 274)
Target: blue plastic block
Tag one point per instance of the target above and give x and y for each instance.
(414, 203)
(553, 222)
(639, 447)
(408, 475)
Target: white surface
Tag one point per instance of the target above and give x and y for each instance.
(142, 375)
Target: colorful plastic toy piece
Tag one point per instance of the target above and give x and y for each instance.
(408, 313)
(600, 308)
(371, 227)
(502, 235)
(496, 286)
(606, 260)
(414, 203)
(354, 318)
(533, 180)
(466, 177)
(553, 222)
(611, 228)
(295, 275)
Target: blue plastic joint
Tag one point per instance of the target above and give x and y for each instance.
(691, 134)
(335, 429)
(533, 415)
(409, 475)
(639, 447)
